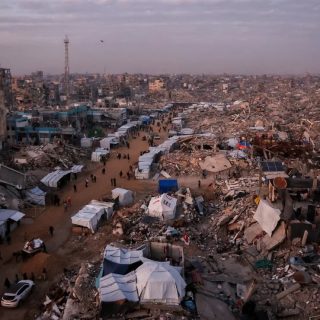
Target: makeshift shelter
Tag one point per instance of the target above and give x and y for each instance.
(115, 287)
(125, 196)
(121, 261)
(160, 283)
(90, 215)
(168, 185)
(97, 155)
(163, 207)
(56, 178)
(77, 168)
(267, 216)
(36, 196)
(9, 220)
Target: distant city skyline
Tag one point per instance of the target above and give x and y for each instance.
(161, 36)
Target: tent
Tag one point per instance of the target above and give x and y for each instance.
(9, 219)
(56, 178)
(163, 207)
(115, 287)
(125, 196)
(90, 215)
(97, 155)
(77, 168)
(121, 261)
(36, 196)
(160, 283)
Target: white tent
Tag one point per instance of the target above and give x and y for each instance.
(160, 283)
(116, 287)
(90, 215)
(125, 196)
(105, 143)
(163, 207)
(122, 255)
(98, 154)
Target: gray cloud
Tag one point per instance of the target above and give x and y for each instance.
(212, 36)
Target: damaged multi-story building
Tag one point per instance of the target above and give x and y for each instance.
(5, 102)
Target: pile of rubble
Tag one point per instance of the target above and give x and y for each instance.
(48, 156)
(73, 296)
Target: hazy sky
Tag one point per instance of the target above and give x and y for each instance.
(161, 36)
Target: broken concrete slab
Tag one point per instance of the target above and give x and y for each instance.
(278, 237)
(210, 308)
(252, 232)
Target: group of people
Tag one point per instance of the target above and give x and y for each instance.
(44, 276)
(123, 156)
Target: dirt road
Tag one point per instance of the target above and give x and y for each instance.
(59, 246)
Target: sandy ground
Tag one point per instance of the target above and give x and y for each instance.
(63, 247)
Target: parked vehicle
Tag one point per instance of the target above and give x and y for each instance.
(17, 293)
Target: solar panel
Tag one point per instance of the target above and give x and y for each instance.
(272, 166)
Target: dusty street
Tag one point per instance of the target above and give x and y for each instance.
(63, 250)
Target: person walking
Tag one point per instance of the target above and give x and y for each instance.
(91, 176)
(7, 283)
(74, 188)
(44, 274)
(199, 183)
(65, 205)
(69, 201)
(94, 179)
(87, 183)
(120, 173)
(111, 180)
(51, 230)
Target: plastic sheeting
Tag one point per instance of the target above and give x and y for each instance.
(163, 207)
(121, 255)
(125, 196)
(52, 179)
(115, 287)
(36, 196)
(90, 215)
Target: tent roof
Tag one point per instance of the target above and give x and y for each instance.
(162, 206)
(6, 214)
(52, 179)
(122, 256)
(115, 287)
(77, 168)
(160, 282)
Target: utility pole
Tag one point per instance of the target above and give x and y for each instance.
(66, 69)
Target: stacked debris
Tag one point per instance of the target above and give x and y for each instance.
(73, 296)
(48, 156)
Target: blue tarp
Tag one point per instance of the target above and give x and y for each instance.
(168, 185)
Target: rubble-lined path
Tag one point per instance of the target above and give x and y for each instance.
(60, 220)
